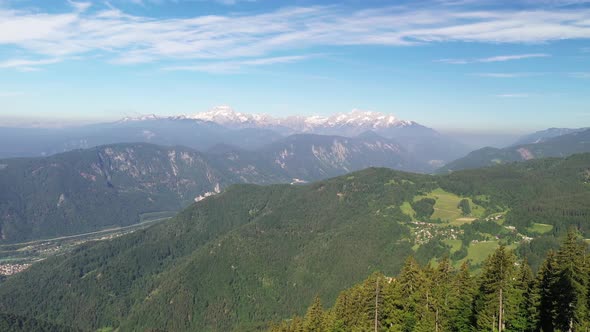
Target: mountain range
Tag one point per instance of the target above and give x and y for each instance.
(224, 126)
(251, 254)
(113, 185)
(549, 143)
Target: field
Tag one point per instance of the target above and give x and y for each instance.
(454, 244)
(540, 228)
(446, 208)
(408, 210)
(477, 252)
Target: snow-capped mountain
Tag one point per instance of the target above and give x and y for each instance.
(352, 123)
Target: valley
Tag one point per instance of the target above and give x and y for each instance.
(294, 166)
(17, 257)
(263, 252)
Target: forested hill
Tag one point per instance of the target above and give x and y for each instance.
(14, 323)
(252, 254)
(114, 185)
(560, 146)
(87, 190)
(505, 296)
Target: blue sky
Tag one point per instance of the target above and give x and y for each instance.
(497, 66)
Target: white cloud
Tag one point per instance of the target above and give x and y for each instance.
(513, 95)
(126, 38)
(80, 6)
(502, 58)
(26, 64)
(580, 75)
(499, 58)
(236, 66)
(507, 75)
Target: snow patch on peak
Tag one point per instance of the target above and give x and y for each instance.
(353, 122)
(144, 117)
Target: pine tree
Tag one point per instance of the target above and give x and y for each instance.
(296, 325)
(546, 281)
(571, 284)
(443, 295)
(314, 318)
(411, 284)
(493, 297)
(462, 311)
(524, 299)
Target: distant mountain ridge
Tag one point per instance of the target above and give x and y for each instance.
(112, 185)
(547, 134)
(221, 126)
(343, 124)
(575, 141)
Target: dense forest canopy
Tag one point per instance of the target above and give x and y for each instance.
(253, 254)
(505, 296)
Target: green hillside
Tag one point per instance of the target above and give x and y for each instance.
(254, 254)
(108, 186)
(442, 298)
(14, 323)
(87, 190)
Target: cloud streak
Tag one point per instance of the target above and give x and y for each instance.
(26, 64)
(499, 58)
(125, 39)
(236, 66)
(513, 95)
(507, 75)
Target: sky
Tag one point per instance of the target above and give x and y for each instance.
(455, 65)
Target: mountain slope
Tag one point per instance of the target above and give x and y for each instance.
(253, 254)
(222, 125)
(200, 135)
(560, 146)
(544, 135)
(86, 190)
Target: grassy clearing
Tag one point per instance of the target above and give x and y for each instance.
(408, 210)
(454, 244)
(462, 221)
(540, 228)
(446, 207)
(478, 252)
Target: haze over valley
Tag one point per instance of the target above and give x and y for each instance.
(294, 166)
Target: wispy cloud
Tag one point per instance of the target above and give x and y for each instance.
(498, 58)
(26, 64)
(80, 6)
(124, 38)
(507, 75)
(236, 66)
(580, 75)
(513, 95)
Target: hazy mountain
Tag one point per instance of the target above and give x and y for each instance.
(222, 125)
(251, 254)
(423, 144)
(86, 190)
(200, 135)
(544, 135)
(577, 141)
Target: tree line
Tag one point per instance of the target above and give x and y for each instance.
(505, 295)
